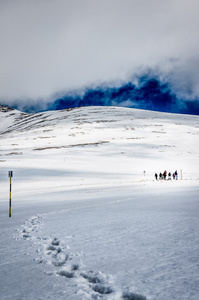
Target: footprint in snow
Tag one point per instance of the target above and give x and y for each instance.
(132, 296)
(30, 227)
(98, 282)
(55, 254)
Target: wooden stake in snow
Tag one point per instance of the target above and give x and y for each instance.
(10, 175)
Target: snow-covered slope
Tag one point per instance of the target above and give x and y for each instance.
(98, 145)
(89, 221)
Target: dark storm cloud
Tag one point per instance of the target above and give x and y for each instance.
(150, 94)
(49, 47)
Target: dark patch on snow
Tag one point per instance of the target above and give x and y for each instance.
(55, 242)
(101, 289)
(66, 274)
(133, 296)
(91, 278)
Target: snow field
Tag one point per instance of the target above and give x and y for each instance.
(87, 222)
(139, 241)
(56, 254)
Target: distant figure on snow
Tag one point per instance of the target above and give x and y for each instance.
(169, 176)
(156, 176)
(176, 175)
(165, 174)
(160, 176)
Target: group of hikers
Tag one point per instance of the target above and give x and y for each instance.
(163, 176)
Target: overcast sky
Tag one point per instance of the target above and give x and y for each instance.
(52, 46)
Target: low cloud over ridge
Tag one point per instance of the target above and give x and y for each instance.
(51, 47)
(150, 94)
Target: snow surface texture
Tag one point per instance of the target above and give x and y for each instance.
(89, 220)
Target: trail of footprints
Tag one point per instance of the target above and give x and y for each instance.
(53, 252)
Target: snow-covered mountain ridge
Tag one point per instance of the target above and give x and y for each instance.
(25, 121)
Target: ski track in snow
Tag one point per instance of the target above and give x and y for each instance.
(56, 254)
